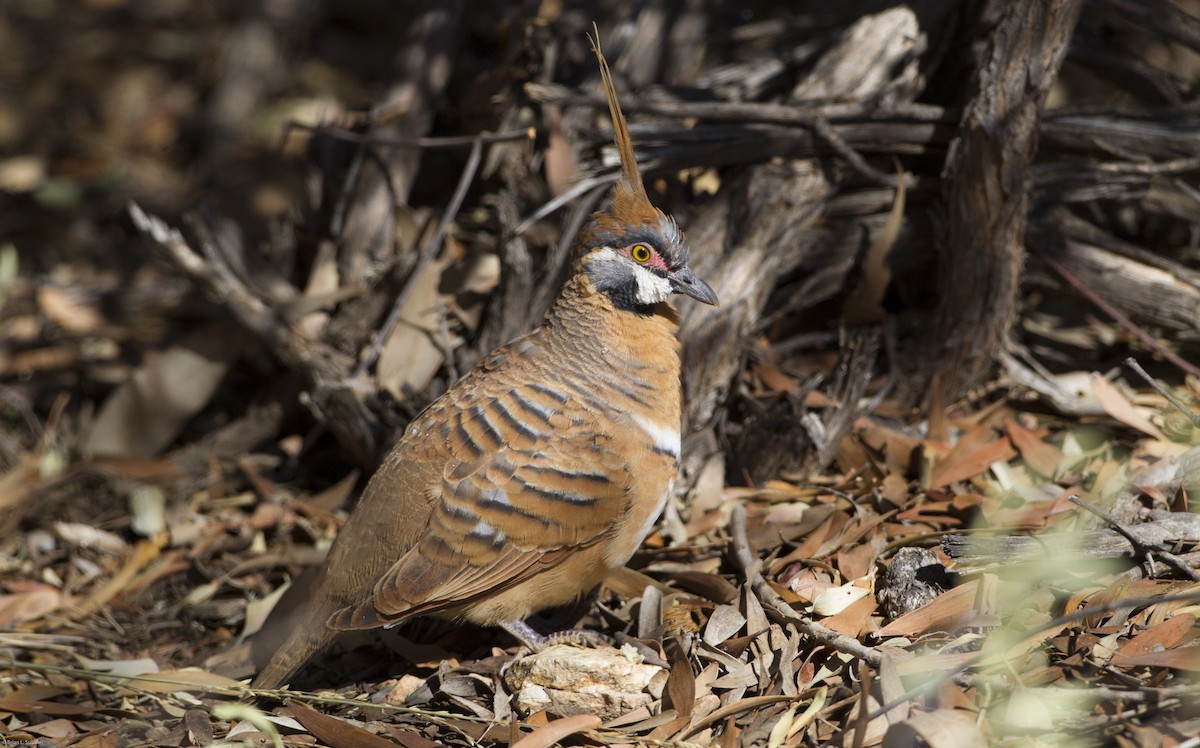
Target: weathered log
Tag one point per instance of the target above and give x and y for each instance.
(975, 553)
(986, 193)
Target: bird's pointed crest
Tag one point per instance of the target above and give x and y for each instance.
(630, 201)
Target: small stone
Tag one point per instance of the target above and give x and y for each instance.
(564, 680)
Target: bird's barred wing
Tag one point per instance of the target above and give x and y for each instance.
(533, 473)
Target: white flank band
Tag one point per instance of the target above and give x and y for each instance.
(665, 437)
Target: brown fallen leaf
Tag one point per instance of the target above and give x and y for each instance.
(410, 739)
(1118, 406)
(681, 684)
(1041, 456)
(559, 156)
(68, 311)
(415, 349)
(939, 615)
(59, 729)
(548, 735)
(29, 605)
(961, 465)
(336, 732)
(850, 622)
(186, 679)
(1185, 658)
(1169, 634)
(941, 728)
(145, 414)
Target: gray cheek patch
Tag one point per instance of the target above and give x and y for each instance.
(608, 271)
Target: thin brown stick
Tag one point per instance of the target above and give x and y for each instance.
(1132, 363)
(1147, 339)
(752, 567)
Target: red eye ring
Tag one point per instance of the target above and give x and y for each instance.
(640, 253)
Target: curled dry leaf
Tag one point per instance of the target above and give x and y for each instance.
(836, 599)
(1119, 407)
(723, 623)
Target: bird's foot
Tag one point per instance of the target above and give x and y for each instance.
(524, 633)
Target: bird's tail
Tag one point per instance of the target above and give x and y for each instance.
(293, 632)
(304, 641)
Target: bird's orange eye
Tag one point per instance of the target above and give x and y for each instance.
(640, 253)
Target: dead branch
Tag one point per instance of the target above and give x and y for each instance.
(985, 190)
(976, 553)
(321, 368)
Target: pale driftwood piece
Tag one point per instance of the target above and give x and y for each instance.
(1150, 294)
(986, 193)
(1145, 552)
(758, 231)
(975, 553)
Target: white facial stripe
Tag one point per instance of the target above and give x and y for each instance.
(666, 438)
(651, 287)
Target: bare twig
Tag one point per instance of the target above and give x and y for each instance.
(801, 115)
(1132, 363)
(430, 143)
(1140, 548)
(811, 118)
(579, 188)
(752, 568)
(323, 368)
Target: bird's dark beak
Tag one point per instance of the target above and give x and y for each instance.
(686, 282)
